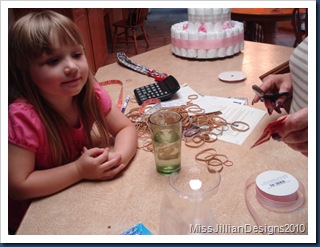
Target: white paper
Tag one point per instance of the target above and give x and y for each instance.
(208, 103)
(233, 112)
(232, 109)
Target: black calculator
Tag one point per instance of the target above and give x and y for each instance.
(163, 90)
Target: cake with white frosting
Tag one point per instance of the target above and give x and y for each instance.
(208, 33)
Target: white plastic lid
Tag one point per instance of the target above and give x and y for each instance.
(232, 76)
(277, 183)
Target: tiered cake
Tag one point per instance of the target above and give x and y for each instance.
(208, 33)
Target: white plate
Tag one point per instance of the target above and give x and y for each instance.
(232, 76)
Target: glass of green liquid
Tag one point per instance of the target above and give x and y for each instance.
(166, 128)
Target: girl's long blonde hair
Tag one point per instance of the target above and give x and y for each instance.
(28, 39)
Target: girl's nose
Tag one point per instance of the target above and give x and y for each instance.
(70, 68)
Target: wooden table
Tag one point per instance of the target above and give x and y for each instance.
(266, 17)
(114, 206)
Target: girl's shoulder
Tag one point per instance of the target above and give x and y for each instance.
(20, 104)
(25, 127)
(21, 108)
(103, 98)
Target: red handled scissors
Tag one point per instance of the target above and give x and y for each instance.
(269, 131)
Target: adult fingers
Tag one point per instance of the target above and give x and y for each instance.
(256, 98)
(269, 105)
(301, 147)
(297, 121)
(299, 136)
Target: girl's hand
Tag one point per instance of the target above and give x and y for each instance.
(294, 131)
(275, 84)
(97, 164)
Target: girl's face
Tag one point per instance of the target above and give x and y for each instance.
(62, 73)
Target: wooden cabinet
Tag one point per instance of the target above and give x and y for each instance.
(92, 26)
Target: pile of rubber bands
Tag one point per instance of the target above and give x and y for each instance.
(198, 128)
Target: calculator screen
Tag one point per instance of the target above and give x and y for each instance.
(171, 84)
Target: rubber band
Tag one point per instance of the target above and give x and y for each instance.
(234, 127)
(194, 146)
(147, 145)
(197, 139)
(200, 120)
(214, 162)
(195, 109)
(228, 163)
(211, 158)
(198, 128)
(205, 129)
(213, 170)
(204, 151)
(208, 139)
(192, 96)
(191, 131)
(213, 132)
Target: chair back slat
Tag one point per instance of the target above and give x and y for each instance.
(133, 25)
(136, 16)
(300, 25)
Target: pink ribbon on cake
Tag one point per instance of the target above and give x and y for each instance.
(202, 28)
(185, 26)
(227, 24)
(208, 43)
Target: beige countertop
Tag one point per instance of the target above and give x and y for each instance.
(112, 207)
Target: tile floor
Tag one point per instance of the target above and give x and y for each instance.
(159, 22)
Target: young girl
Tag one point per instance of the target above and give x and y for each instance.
(60, 120)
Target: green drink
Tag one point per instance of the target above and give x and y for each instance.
(167, 149)
(165, 127)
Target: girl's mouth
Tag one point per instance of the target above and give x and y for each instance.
(71, 81)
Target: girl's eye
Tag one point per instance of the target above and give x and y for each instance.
(77, 54)
(52, 61)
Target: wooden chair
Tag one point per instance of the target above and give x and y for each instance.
(136, 19)
(300, 25)
(253, 31)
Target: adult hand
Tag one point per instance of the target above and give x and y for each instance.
(294, 131)
(96, 164)
(275, 84)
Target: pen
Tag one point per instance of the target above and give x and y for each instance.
(124, 106)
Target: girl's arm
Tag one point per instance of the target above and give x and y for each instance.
(125, 135)
(26, 183)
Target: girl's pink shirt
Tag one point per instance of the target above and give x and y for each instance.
(26, 130)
